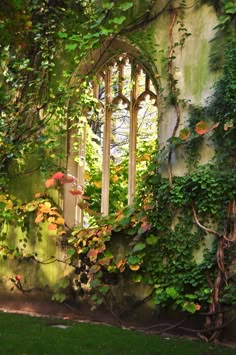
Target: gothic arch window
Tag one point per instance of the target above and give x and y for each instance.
(124, 129)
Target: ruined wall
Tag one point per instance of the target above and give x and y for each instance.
(157, 40)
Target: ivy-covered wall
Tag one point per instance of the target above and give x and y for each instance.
(174, 247)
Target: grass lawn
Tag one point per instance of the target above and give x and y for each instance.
(25, 335)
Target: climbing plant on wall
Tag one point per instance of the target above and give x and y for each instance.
(172, 218)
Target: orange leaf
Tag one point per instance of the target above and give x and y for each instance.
(61, 233)
(52, 227)
(148, 207)
(120, 264)
(202, 127)
(75, 192)
(198, 307)
(115, 178)
(49, 182)
(145, 226)
(92, 253)
(215, 125)
(184, 134)
(39, 218)
(101, 248)
(58, 176)
(146, 157)
(104, 261)
(83, 205)
(45, 209)
(67, 179)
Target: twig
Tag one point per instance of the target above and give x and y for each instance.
(112, 312)
(209, 230)
(170, 71)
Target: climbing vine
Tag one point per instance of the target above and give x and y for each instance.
(180, 231)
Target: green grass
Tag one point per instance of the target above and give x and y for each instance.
(20, 334)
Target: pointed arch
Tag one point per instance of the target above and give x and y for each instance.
(132, 85)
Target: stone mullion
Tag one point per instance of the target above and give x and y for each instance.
(133, 136)
(106, 145)
(81, 171)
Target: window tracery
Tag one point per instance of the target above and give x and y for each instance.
(124, 129)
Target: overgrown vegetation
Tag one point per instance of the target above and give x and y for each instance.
(172, 218)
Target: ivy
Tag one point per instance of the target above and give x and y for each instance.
(167, 229)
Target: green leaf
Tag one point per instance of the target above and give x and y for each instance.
(95, 283)
(105, 31)
(190, 296)
(124, 221)
(63, 283)
(139, 246)
(125, 6)
(108, 5)
(108, 254)
(118, 20)
(31, 207)
(189, 307)
(137, 277)
(151, 239)
(184, 134)
(59, 297)
(71, 47)
(103, 289)
(70, 252)
(171, 292)
(132, 260)
(62, 34)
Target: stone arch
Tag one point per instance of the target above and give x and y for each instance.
(97, 62)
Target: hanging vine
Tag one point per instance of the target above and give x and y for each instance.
(172, 217)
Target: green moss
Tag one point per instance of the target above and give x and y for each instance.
(196, 74)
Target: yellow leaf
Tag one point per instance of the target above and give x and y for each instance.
(134, 267)
(87, 176)
(2, 198)
(60, 220)
(98, 184)
(9, 205)
(47, 204)
(45, 209)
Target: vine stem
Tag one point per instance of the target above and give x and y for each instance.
(209, 230)
(221, 278)
(172, 84)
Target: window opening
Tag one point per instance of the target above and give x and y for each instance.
(123, 134)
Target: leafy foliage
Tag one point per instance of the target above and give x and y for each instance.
(169, 224)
